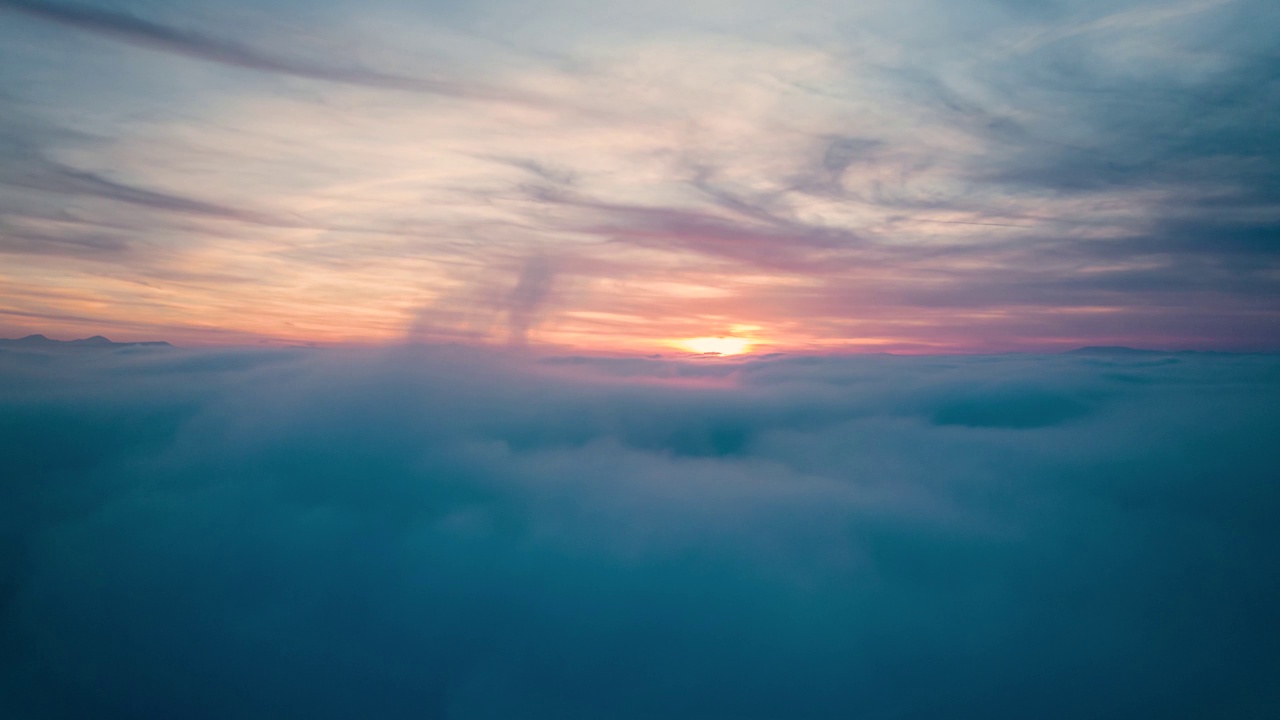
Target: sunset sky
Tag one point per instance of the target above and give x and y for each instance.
(920, 176)
(651, 360)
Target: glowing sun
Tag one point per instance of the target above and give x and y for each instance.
(716, 345)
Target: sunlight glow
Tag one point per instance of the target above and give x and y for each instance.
(716, 345)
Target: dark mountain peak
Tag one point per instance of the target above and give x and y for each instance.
(1113, 350)
(97, 341)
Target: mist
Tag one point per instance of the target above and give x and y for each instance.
(442, 532)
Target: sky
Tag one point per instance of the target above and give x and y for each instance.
(697, 360)
(914, 176)
(443, 532)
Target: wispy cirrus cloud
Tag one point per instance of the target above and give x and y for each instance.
(140, 32)
(899, 172)
(52, 177)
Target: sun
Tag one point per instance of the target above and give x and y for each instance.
(716, 345)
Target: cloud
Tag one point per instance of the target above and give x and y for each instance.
(143, 33)
(17, 240)
(915, 177)
(755, 237)
(529, 296)
(441, 532)
(48, 176)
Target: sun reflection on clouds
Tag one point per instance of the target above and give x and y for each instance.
(716, 345)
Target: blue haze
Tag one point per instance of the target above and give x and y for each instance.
(442, 533)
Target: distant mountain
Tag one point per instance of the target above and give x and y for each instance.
(35, 342)
(1115, 350)
(1122, 351)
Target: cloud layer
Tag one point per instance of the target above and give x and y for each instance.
(438, 533)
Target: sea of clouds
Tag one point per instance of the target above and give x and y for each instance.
(450, 533)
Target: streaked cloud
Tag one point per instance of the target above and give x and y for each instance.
(914, 178)
(135, 30)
